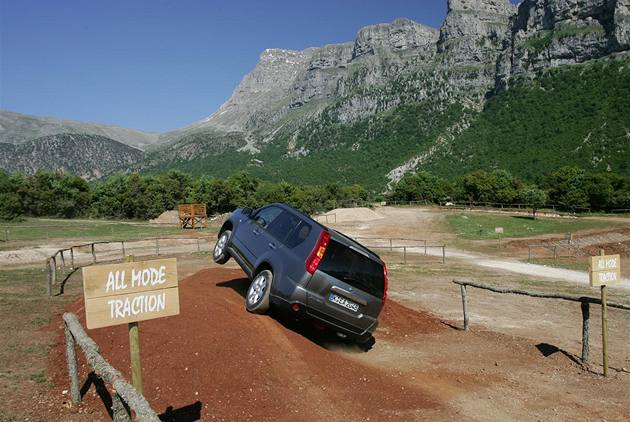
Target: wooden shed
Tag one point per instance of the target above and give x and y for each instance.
(193, 216)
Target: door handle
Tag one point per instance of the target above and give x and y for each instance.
(272, 245)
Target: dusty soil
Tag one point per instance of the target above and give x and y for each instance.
(216, 361)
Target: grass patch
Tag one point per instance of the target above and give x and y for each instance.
(478, 226)
(38, 229)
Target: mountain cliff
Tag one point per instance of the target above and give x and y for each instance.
(403, 96)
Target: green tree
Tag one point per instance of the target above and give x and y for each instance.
(534, 197)
(11, 207)
(567, 187)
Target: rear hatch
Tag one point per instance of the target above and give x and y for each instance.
(348, 287)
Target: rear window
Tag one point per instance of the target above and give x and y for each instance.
(353, 268)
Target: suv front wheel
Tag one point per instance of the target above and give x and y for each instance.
(220, 253)
(257, 298)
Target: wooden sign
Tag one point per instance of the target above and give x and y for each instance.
(130, 292)
(605, 270)
(498, 230)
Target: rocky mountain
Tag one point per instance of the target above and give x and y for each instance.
(523, 88)
(16, 128)
(88, 156)
(403, 96)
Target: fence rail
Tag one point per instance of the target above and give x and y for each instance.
(389, 244)
(585, 302)
(125, 393)
(67, 258)
(555, 248)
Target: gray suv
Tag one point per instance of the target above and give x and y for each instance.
(297, 264)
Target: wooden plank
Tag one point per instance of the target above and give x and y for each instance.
(141, 306)
(129, 277)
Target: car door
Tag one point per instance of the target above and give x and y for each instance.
(254, 236)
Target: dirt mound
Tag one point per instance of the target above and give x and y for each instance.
(217, 359)
(349, 215)
(167, 217)
(398, 322)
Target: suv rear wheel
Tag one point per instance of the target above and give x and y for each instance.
(257, 298)
(220, 253)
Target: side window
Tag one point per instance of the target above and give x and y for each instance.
(283, 225)
(266, 216)
(298, 235)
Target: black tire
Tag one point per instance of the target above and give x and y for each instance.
(220, 254)
(366, 345)
(257, 297)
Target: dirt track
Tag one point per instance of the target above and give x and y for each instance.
(215, 360)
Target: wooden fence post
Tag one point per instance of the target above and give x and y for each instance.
(443, 254)
(604, 325)
(198, 246)
(119, 411)
(72, 257)
(405, 255)
(529, 254)
(391, 247)
(93, 254)
(50, 277)
(54, 270)
(122, 243)
(585, 330)
(425, 248)
(63, 260)
(157, 247)
(73, 374)
(6, 235)
(465, 306)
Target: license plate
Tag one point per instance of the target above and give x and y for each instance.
(343, 302)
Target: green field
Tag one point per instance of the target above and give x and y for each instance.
(38, 229)
(481, 226)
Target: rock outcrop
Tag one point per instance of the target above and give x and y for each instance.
(551, 33)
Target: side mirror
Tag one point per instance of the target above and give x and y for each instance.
(247, 211)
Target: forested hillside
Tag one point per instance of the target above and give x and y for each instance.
(572, 115)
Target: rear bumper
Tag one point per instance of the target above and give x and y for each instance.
(305, 312)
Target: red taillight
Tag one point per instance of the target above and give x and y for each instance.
(385, 283)
(318, 252)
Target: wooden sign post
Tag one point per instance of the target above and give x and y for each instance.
(499, 232)
(605, 270)
(127, 293)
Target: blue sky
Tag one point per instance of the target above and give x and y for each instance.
(159, 65)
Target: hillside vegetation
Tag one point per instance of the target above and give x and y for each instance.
(573, 115)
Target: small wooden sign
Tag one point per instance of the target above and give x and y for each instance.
(605, 270)
(130, 292)
(498, 230)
